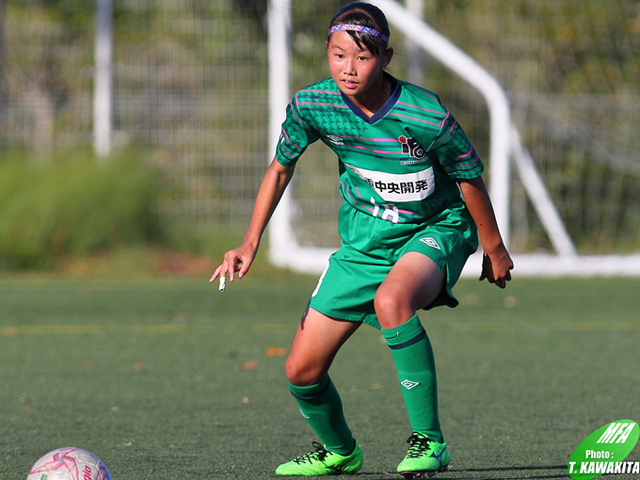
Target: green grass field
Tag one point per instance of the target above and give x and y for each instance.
(165, 378)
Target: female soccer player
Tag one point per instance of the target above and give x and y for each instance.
(414, 202)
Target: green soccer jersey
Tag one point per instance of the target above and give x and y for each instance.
(400, 165)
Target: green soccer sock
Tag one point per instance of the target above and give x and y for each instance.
(321, 406)
(413, 357)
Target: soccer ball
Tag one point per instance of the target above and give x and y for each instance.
(69, 463)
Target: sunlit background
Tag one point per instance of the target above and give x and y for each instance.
(190, 115)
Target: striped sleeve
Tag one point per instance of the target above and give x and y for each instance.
(454, 151)
(295, 136)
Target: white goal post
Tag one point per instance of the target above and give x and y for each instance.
(505, 146)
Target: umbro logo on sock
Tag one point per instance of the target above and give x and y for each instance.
(409, 384)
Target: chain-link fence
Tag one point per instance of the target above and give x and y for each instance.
(190, 92)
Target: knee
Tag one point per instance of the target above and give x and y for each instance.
(392, 306)
(301, 374)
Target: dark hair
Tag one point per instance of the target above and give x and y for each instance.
(366, 15)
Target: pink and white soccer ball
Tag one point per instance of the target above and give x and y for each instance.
(69, 463)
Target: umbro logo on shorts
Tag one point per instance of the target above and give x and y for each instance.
(409, 384)
(431, 242)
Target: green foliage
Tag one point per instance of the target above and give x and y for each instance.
(74, 205)
(77, 15)
(190, 87)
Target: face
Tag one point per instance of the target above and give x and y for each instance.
(357, 72)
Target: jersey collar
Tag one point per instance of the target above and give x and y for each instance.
(391, 101)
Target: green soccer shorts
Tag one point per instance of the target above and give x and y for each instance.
(371, 247)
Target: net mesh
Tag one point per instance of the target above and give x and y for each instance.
(190, 91)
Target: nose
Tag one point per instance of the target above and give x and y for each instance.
(350, 66)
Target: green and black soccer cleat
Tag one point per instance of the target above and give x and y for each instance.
(322, 462)
(425, 457)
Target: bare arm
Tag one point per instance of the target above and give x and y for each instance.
(496, 262)
(273, 185)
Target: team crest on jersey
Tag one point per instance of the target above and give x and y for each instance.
(412, 148)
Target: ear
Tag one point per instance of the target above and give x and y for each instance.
(388, 55)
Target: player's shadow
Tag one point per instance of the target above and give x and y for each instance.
(555, 471)
(509, 473)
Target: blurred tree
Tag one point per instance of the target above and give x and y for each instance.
(3, 98)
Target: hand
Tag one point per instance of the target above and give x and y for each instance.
(496, 267)
(236, 260)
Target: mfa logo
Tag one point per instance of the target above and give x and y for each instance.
(604, 451)
(412, 148)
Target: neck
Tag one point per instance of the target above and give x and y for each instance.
(375, 98)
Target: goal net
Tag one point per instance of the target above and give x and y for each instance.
(564, 170)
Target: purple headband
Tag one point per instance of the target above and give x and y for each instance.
(359, 28)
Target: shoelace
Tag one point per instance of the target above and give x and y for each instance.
(418, 446)
(318, 454)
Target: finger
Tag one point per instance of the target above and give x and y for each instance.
(232, 262)
(486, 268)
(215, 274)
(244, 269)
(232, 271)
(490, 276)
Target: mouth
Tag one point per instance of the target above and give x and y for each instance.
(349, 83)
